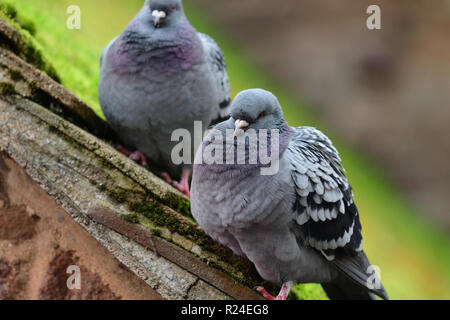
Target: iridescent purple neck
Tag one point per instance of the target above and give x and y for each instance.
(140, 49)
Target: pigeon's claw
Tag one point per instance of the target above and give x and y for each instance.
(182, 186)
(123, 150)
(285, 289)
(264, 293)
(167, 178)
(137, 156)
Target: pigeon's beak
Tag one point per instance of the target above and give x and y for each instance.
(158, 17)
(239, 126)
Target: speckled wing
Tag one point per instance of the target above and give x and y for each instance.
(326, 216)
(325, 210)
(218, 67)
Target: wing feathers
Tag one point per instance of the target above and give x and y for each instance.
(356, 267)
(327, 217)
(217, 65)
(326, 212)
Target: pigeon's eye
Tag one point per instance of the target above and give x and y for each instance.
(174, 8)
(261, 115)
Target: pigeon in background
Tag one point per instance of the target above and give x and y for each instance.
(299, 225)
(160, 75)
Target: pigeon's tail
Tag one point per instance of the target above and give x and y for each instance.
(342, 288)
(356, 280)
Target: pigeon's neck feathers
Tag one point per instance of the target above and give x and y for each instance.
(237, 171)
(162, 49)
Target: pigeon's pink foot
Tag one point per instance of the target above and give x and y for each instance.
(136, 156)
(121, 149)
(264, 293)
(285, 289)
(183, 185)
(139, 157)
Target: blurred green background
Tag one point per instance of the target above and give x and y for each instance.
(413, 254)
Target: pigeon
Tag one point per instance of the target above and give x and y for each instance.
(299, 223)
(160, 75)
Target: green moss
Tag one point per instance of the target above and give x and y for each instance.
(133, 217)
(9, 10)
(7, 89)
(120, 195)
(15, 75)
(309, 291)
(33, 87)
(155, 211)
(27, 47)
(28, 25)
(157, 232)
(179, 204)
(150, 209)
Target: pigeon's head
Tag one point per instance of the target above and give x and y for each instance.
(256, 109)
(165, 12)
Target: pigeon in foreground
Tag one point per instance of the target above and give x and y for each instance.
(160, 75)
(299, 225)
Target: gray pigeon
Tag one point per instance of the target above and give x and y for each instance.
(160, 75)
(299, 225)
